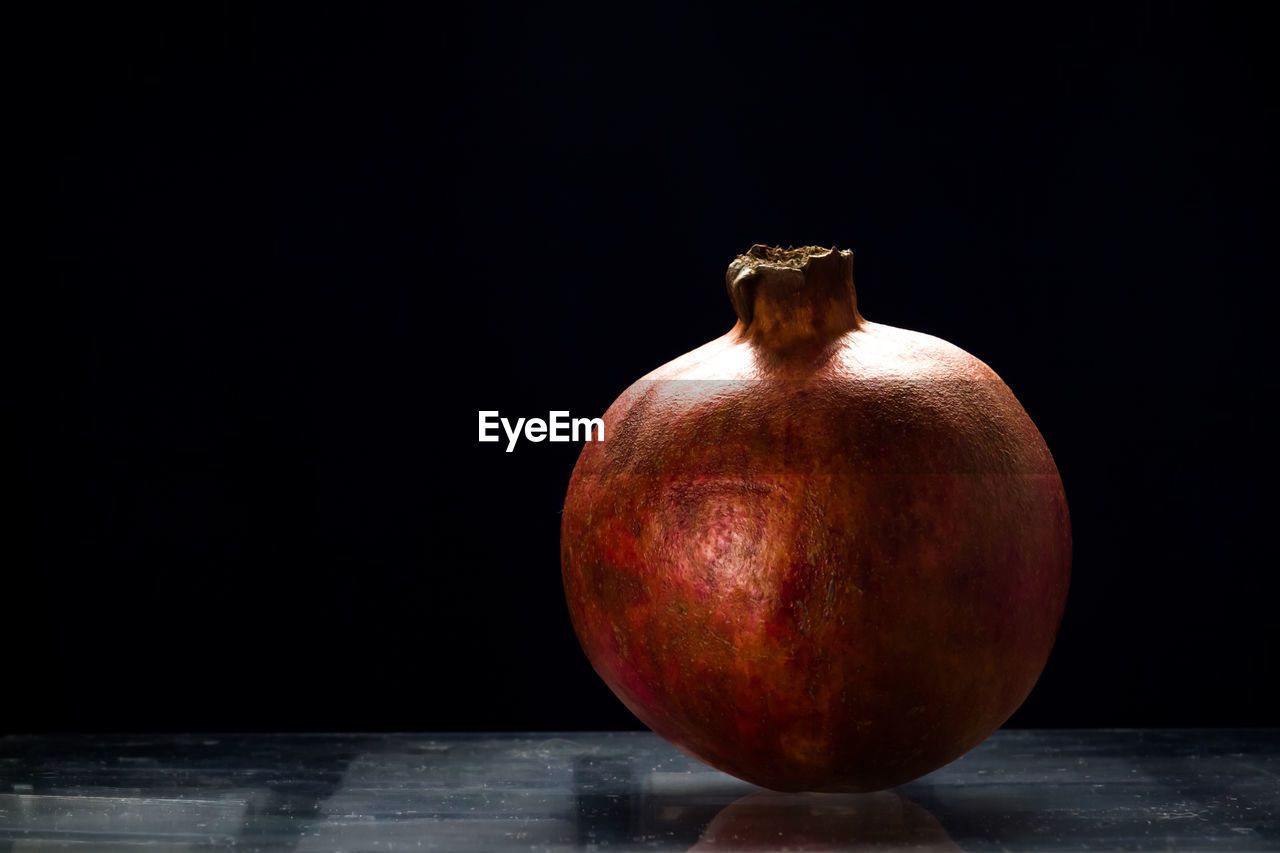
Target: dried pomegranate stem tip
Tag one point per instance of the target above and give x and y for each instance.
(778, 256)
(787, 297)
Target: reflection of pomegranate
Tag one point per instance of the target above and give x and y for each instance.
(845, 822)
(817, 553)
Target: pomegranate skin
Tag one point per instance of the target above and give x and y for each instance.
(817, 553)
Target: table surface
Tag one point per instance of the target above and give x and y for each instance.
(1020, 790)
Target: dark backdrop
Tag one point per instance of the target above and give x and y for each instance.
(282, 259)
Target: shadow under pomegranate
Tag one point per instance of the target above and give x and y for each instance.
(813, 822)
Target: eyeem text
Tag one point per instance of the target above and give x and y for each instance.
(557, 427)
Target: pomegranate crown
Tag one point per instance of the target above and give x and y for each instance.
(787, 296)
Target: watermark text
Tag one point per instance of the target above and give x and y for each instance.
(558, 426)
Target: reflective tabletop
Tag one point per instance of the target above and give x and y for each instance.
(1020, 790)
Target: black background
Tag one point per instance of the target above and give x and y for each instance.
(283, 258)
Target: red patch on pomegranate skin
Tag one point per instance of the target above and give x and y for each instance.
(634, 683)
(817, 553)
(619, 544)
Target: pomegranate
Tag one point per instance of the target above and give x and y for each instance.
(817, 553)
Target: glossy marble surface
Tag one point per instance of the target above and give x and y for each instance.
(1021, 790)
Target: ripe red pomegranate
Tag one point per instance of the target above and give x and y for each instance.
(817, 553)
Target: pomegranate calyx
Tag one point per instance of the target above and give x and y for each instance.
(793, 297)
